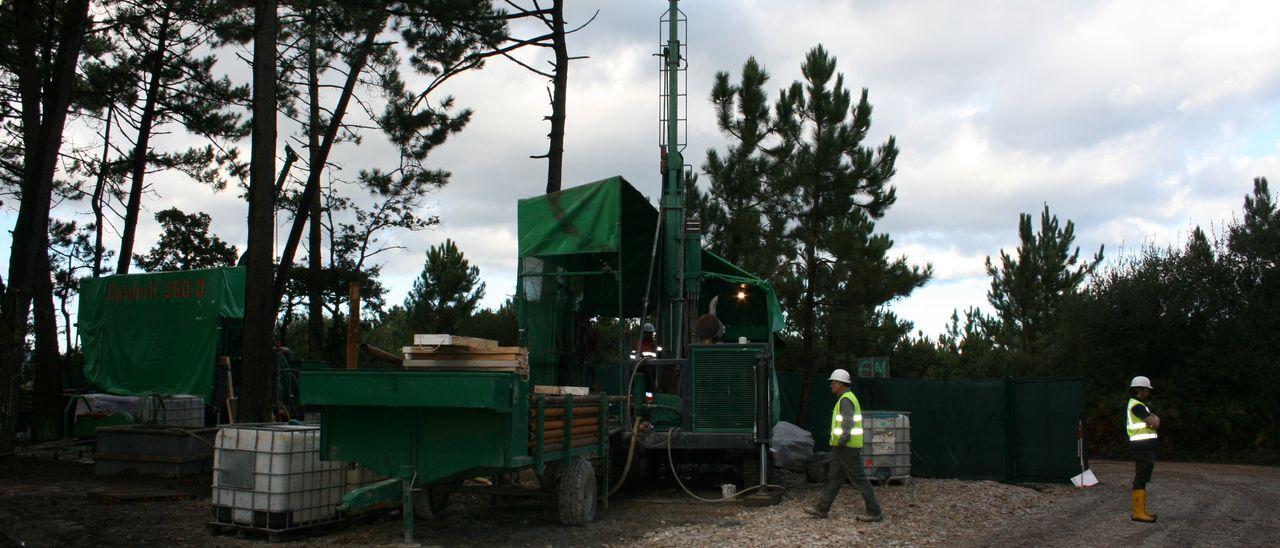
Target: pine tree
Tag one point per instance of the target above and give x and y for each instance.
(859, 281)
(739, 217)
(40, 46)
(186, 244)
(446, 292)
(163, 47)
(827, 175)
(1028, 287)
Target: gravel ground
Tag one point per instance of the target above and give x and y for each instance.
(44, 503)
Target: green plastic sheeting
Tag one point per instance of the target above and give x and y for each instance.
(157, 333)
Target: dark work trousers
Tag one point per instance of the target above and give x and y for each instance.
(1144, 462)
(846, 464)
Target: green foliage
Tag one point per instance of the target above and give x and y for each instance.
(186, 244)
(177, 83)
(70, 253)
(499, 325)
(737, 211)
(1199, 319)
(445, 293)
(1027, 289)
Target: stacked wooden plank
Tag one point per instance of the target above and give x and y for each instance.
(453, 353)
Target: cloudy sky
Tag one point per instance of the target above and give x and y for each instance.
(1136, 120)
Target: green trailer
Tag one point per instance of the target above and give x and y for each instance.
(429, 431)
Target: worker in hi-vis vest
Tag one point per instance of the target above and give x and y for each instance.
(846, 452)
(1141, 425)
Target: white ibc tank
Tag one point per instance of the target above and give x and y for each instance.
(271, 477)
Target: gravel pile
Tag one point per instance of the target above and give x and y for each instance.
(922, 512)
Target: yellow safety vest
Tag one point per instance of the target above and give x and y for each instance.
(1137, 429)
(838, 429)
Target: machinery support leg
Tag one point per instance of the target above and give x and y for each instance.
(764, 465)
(406, 510)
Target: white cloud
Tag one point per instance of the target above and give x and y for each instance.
(1135, 120)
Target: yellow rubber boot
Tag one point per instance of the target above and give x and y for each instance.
(1140, 507)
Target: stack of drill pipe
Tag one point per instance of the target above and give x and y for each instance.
(586, 422)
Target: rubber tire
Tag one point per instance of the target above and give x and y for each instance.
(430, 504)
(576, 493)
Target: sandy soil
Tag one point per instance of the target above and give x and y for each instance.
(46, 503)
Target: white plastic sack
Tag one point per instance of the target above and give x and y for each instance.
(792, 446)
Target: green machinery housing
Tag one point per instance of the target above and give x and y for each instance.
(588, 253)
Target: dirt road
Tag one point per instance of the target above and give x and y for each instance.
(1197, 505)
(46, 504)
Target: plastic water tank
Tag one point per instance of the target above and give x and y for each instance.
(270, 476)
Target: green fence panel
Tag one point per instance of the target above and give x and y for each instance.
(958, 428)
(999, 429)
(1045, 422)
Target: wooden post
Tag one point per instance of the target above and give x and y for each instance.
(353, 327)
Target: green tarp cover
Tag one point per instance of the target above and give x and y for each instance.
(157, 333)
(605, 225)
(583, 219)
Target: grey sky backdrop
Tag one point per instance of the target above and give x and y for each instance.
(1136, 120)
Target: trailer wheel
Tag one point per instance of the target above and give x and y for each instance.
(576, 493)
(430, 503)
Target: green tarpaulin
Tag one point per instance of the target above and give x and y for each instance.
(588, 251)
(157, 333)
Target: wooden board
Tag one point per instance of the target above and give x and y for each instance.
(463, 351)
(125, 497)
(562, 390)
(466, 356)
(438, 339)
(462, 365)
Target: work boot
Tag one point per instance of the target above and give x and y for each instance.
(815, 513)
(1140, 507)
(871, 517)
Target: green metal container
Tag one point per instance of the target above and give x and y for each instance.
(440, 424)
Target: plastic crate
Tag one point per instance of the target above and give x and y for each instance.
(270, 477)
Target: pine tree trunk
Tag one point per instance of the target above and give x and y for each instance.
(141, 148)
(99, 190)
(48, 383)
(41, 137)
(315, 310)
(259, 317)
(807, 315)
(320, 156)
(559, 98)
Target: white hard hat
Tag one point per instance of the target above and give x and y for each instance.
(840, 375)
(648, 328)
(1141, 382)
